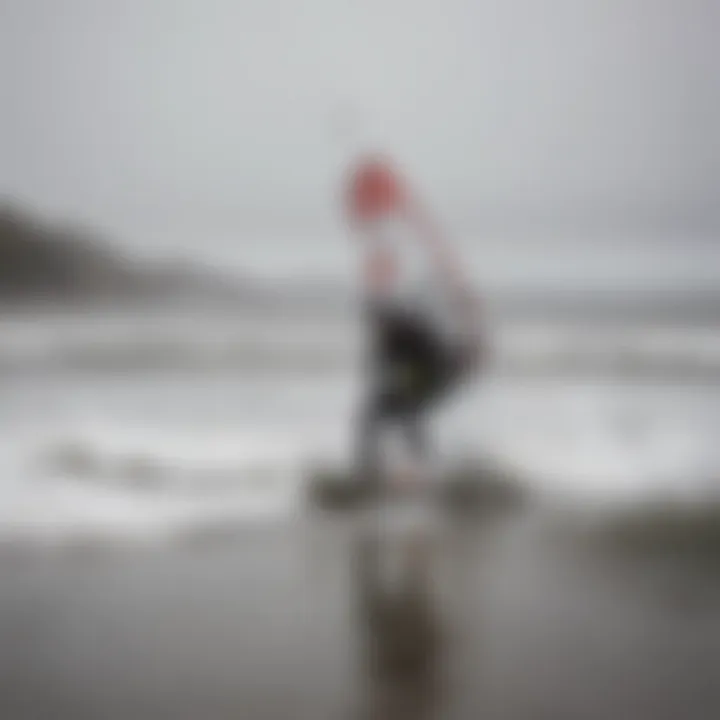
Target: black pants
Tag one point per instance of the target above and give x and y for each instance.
(411, 369)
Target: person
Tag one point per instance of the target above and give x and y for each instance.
(422, 317)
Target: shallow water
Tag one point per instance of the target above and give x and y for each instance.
(156, 559)
(143, 455)
(292, 620)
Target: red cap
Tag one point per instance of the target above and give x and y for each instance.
(375, 190)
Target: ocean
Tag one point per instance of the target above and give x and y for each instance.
(141, 427)
(157, 558)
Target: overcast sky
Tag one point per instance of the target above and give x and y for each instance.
(180, 110)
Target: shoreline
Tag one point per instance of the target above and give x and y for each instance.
(270, 624)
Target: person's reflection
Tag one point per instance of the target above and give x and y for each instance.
(400, 633)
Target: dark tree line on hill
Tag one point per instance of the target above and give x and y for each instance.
(45, 262)
(39, 260)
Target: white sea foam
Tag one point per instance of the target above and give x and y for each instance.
(284, 345)
(111, 483)
(144, 456)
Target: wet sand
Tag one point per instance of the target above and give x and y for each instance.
(296, 620)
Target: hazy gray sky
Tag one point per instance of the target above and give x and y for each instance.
(172, 110)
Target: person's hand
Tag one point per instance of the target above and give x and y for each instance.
(480, 352)
(476, 350)
(468, 308)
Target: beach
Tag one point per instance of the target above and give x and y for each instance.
(204, 208)
(158, 558)
(273, 622)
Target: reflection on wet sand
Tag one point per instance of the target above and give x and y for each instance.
(402, 636)
(515, 620)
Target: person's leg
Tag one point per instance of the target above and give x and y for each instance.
(411, 371)
(415, 470)
(447, 371)
(367, 449)
(381, 411)
(439, 371)
(416, 434)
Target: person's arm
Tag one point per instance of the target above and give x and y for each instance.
(377, 270)
(443, 254)
(378, 264)
(449, 264)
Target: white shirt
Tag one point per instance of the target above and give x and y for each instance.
(418, 286)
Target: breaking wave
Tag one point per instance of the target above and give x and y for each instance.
(111, 485)
(537, 349)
